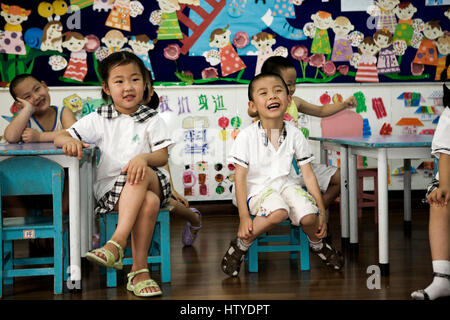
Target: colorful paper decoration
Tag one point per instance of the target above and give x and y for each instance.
(404, 30)
(321, 41)
(361, 102)
(122, 10)
(77, 67)
(47, 9)
(52, 36)
(429, 132)
(384, 14)
(387, 61)
(141, 45)
(263, 42)
(367, 64)
(342, 48)
(437, 97)
(114, 41)
(443, 46)
(167, 19)
(366, 128)
(386, 129)
(401, 171)
(411, 99)
(11, 41)
(409, 125)
(73, 102)
(378, 107)
(81, 4)
(427, 53)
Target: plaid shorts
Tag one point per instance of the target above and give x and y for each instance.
(108, 201)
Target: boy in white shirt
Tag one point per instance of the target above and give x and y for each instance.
(263, 155)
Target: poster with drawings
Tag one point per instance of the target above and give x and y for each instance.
(204, 123)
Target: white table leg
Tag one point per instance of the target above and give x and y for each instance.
(345, 233)
(352, 194)
(84, 209)
(383, 218)
(74, 221)
(90, 200)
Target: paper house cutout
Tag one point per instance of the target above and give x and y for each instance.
(436, 97)
(426, 165)
(426, 113)
(409, 125)
(436, 120)
(411, 99)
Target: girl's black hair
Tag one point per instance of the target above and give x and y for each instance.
(264, 75)
(17, 80)
(123, 58)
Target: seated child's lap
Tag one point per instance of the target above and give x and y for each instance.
(296, 201)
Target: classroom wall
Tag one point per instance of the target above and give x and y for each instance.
(202, 120)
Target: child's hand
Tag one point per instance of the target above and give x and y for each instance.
(74, 148)
(30, 135)
(439, 197)
(245, 228)
(179, 198)
(136, 169)
(350, 102)
(322, 228)
(25, 105)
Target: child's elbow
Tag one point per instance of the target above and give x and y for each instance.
(11, 137)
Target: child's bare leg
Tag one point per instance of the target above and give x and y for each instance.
(333, 190)
(180, 210)
(439, 235)
(141, 237)
(264, 224)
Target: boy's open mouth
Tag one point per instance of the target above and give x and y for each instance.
(273, 106)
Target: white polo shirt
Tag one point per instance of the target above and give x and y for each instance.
(120, 138)
(265, 165)
(441, 138)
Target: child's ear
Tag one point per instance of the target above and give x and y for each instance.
(252, 107)
(105, 88)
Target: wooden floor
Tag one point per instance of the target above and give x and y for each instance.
(196, 273)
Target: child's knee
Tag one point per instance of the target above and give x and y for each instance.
(278, 216)
(308, 220)
(150, 205)
(336, 178)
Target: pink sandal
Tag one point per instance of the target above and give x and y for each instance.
(187, 236)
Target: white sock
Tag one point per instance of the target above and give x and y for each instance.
(440, 287)
(241, 245)
(315, 246)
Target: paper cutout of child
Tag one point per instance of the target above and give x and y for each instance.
(169, 27)
(387, 61)
(321, 41)
(12, 40)
(77, 67)
(404, 30)
(427, 53)
(263, 42)
(342, 49)
(367, 67)
(141, 45)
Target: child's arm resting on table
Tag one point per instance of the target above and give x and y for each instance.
(70, 146)
(137, 167)
(325, 110)
(245, 222)
(313, 189)
(440, 196)
(14, 130)
(67, 120)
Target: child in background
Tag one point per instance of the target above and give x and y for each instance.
(38, 120)
(438, 196)
(328, 177)
(133, 141)
(263, 154)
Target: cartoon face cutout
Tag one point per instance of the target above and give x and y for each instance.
(382, 40)
(322, 20)
(387, 4)
(443, 45)
(368, 49)
(342, 26)
(114, 39)
(263, 44)
(73, 102)
(220, 40)
(432, 31)
(73, 44)
(169, 5)
(54, 31)
(405, 13)
(14, 15)
(141, 47)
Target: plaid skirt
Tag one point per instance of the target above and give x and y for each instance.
(108, 201)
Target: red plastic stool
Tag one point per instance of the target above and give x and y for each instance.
(366, 200)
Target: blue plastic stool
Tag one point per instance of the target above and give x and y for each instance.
(298, 242)
(159, 252)
(33, 176)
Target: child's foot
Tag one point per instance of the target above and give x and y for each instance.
(231, 262)
(440, 287)
(110, 255)
(140, 283)
(190, 232)
(330, 256)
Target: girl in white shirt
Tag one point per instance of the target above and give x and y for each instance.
(133, 141)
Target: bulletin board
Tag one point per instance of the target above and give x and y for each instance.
(321, 38)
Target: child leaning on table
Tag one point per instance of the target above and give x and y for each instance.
(438, 196)
(133, 141)
(37, 121)
(263, 154)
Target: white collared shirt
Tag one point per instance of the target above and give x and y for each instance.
(267, 166)
(120, 137)
(441, 138)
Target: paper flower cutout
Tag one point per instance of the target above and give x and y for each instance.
(92, 44)
(354, 60)
(212, 56)
(172, 52)
(400, 47)
(101, 53)
(343, 69)
(57, 62)
(329, 68)
(241, 39)
(418, 25)
(210, 72)
(281, 51)
(155, 17)
(355, 37)
(317, 60)
(136, 8)
(299, 53)
(416, 40)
